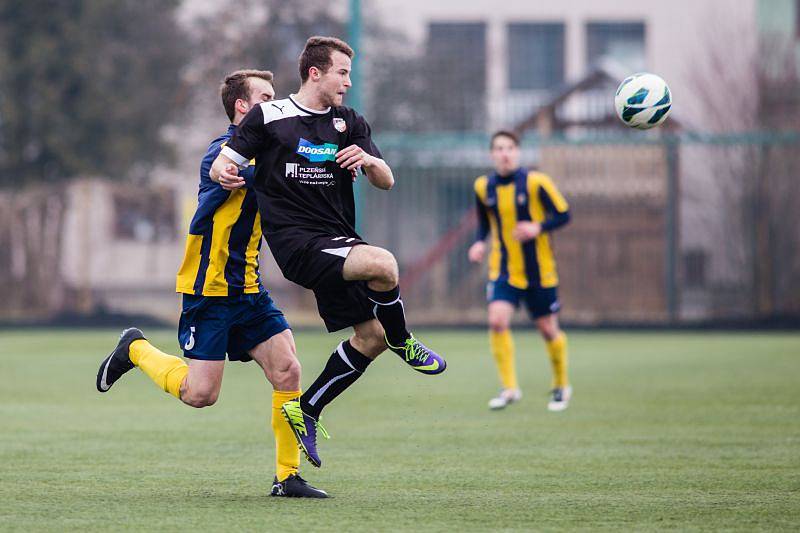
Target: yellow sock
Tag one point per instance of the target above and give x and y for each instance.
(503, 352)
(287, 454)
(167, 371)
(557, 348)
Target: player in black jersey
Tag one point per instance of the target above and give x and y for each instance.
(308, 149)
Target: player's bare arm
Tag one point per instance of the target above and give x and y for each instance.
(225, 172)
(477, 251)
(525, 231)
(378, 172)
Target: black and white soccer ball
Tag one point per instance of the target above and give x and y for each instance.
(643, 101)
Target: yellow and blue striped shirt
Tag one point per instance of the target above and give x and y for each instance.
(501, 203)
(221, 256)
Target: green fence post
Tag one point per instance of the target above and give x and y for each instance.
(354, 94)
(672, 145)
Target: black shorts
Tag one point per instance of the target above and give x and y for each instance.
(316, 264)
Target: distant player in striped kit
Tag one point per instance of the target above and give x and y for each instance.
(518, 209)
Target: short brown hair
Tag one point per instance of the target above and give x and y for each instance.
(504, 133)
(235, 87)
(317, 53)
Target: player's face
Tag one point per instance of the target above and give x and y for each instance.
(335, 82)
(505, 155)
(260, 91)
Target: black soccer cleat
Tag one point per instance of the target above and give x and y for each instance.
(296, 487)
(119, 361)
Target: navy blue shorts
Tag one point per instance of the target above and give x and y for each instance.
(212, 326)
(539, 301)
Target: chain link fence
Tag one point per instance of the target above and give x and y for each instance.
(676, 230)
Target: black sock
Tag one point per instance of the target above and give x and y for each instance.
(389, 312)
(345, 366)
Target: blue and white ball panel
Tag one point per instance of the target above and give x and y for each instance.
(643, 101)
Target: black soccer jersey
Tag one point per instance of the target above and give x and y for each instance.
(302, 192)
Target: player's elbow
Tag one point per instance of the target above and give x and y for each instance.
(566, 217)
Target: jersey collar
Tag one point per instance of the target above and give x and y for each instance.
(307, 109)
(503, 180)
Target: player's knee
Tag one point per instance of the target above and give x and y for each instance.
(199, 399)
(498, 322)
(199, 396)
(550, 335)
(549, 331)
(287, 375)
(384, 267)
(294, 370)
(498, 325)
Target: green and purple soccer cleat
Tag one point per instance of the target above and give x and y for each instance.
(419, 357)
(305, 430)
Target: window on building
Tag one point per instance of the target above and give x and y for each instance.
(456, 67)
(622, 42)
(535, 56)
(144, 216)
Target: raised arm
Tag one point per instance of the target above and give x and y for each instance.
(378, 172)
(246, 141)
(363, 154)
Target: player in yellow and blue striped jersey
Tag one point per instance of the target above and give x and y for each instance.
(226, 310)
(518, 209)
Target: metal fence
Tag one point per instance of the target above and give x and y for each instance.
(669, 230)
(665, 230)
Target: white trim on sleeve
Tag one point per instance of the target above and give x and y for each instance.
(228, 152)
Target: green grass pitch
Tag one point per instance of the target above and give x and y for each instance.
(683, 431)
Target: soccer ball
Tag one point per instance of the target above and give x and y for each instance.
(643, 101)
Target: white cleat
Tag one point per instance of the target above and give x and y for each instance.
(506, 397)
(559, 398)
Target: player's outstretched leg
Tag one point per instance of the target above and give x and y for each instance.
(379, 268)
(418, 356)
(305, 429)
(118, 361)
(133, 349)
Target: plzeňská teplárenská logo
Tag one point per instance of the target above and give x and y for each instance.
(317, 153)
